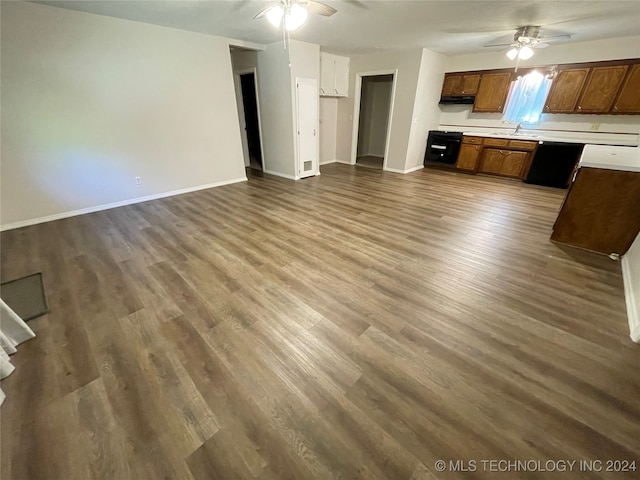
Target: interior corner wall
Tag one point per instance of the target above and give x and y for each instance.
(328, 124)
(426, 112)
(407, 64)
(244, 59)
(89, 102)
(276, 101)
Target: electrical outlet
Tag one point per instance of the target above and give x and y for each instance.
(595, 126)
(138, 180)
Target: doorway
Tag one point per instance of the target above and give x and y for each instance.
(249, 116)
(375, 110)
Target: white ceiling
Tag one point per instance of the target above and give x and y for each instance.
(450, 27)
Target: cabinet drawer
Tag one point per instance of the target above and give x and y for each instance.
(473, 140)
(523, 144)
(496, 142)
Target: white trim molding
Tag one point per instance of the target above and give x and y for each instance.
(408, 170)
(630, 294)
(107, 206)
(327, 162)
(283, 175)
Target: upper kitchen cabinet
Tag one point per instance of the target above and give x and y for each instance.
(460, 84)
(601, 88)
(628, 100)
(492, 92)
(334, 75)
(565, 90)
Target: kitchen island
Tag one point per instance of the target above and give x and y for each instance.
(601, 211)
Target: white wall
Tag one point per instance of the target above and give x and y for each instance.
(631, 274)
(276, 103)
(426, 114)
(328, 125)
(89, 102)
(374, 116)
(457, 116)
(276, 89)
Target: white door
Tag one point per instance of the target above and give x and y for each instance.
(307, 104)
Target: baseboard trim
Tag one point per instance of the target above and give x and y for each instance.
(408, 170)
(633, 313)
(123, 203)
(414, 169)
(345, 162)
(283, 175)
(327, 162)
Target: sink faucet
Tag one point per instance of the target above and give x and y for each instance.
(518, 129)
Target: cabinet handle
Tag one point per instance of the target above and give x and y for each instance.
(335, 90)
(579, 107)
(615, 109)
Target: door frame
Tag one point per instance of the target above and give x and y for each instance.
(313, 81)
(238, 86)
(356, 112)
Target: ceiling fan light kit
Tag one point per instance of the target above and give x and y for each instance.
(524, 41)
(294, 16)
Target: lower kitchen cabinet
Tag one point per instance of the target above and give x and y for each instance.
(468, 157)
(508, 163)
(606, 222)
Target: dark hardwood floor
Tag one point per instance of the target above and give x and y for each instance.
(355, 325)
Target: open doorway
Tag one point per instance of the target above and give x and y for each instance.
(249, 116)
(373, 122)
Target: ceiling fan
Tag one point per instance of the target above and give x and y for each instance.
(525, 39)
(294, 12)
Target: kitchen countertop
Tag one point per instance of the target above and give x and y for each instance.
(611, 157)
(582, 137)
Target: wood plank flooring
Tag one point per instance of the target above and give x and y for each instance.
(355, 325)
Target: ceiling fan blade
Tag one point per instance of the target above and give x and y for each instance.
(540, 45)
(319, 8)
(554, 37)
(264, 11)
(500, 45)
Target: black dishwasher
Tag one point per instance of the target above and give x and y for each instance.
(553, 164)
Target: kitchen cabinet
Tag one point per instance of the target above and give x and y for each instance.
(565, 90)
(492, 92)
(508, 163)
(606, 222)
(628, 100)
(334, 75)
(468, 157)
(601, 88)
(508, 158)
(460, 84)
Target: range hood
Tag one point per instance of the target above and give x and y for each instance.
(457, 99)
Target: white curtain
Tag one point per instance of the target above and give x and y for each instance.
(527, 98)
(13, 331)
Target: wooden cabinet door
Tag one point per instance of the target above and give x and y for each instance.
(468, 157)
(629, 98)
(601, 88)
(513, 164)
(327, 74)
(470, 84)
(492, 160)
(341, 71)
(452, 84)
(565, 90)
(492, 92)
